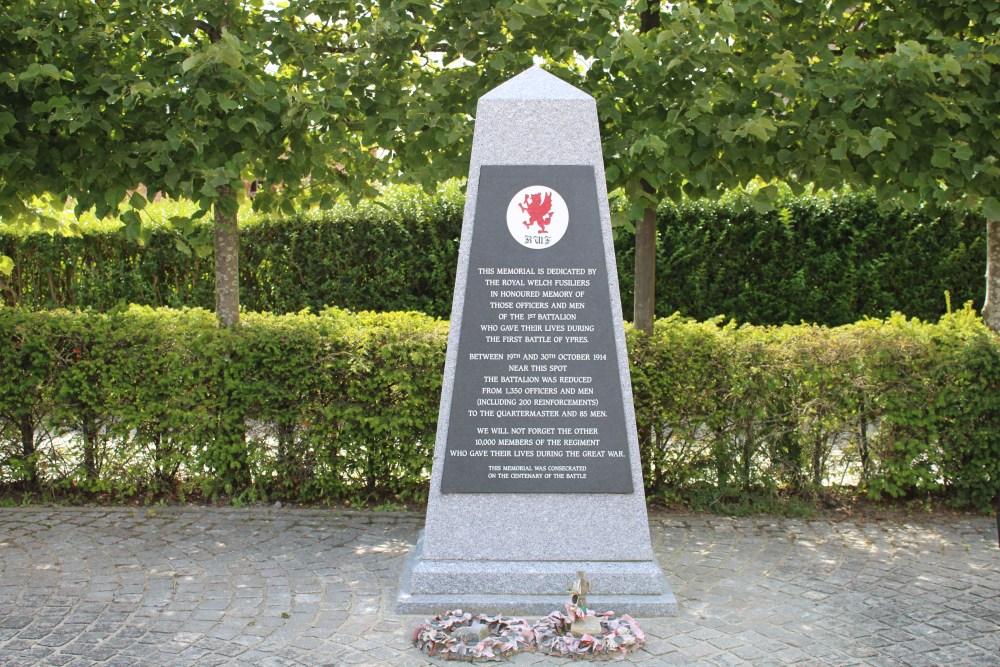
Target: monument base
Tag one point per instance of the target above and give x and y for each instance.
(530, 587)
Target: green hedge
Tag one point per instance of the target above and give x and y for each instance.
(297, 406)
(896, 407)
(332, 406)
(830, 260)
(395, 254)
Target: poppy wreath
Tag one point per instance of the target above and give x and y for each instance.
(619, 634)
(506, 636)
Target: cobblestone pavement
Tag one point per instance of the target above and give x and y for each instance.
(199, 586)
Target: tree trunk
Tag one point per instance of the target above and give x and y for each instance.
(649, 17)
(991, 308)
(227, 264)
(644, 305)
(819, 448)
(91, 465)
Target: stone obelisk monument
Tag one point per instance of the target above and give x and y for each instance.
(536, 474)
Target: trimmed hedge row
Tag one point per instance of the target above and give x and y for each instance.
(897, 407)
(301, 406)
(830, 260)
(395, 254)
(314, 407)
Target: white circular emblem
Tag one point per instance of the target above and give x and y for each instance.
(537, 217)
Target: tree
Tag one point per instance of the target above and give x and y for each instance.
(902, 97)
(193, 99)
(694, 98)
(699, 97)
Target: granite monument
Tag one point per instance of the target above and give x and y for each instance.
(536, 479)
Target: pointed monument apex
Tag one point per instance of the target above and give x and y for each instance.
(535, 84)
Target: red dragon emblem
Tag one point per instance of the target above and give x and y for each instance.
(538, 210)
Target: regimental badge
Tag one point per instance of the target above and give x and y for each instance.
(537, 217)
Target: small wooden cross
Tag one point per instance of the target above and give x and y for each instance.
(579, 589)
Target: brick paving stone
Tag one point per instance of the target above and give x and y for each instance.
(260, 586)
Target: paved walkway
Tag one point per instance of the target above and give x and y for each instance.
(196, 586)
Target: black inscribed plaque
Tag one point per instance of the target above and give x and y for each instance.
(537, 400)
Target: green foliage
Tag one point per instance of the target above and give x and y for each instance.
(898, 407)
(928, 438)
(393, 390)
(718, 94)
(343, 406)
(676, 386)
(317, 97)
(693, 97)
(188, 99)
(196, 100)
(27, 359)
(396, 252)
(830, 260)
(697, 98)
(303, 407)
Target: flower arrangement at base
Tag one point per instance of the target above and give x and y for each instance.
(459, 635)
(618, 634)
